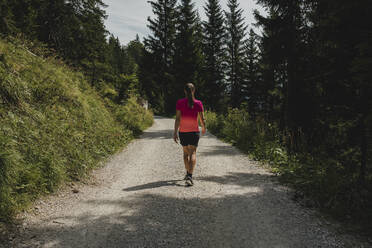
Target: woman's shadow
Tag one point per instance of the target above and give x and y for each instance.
(169, 183)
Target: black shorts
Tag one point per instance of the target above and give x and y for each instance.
(190, 138)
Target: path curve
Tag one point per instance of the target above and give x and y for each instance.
(140, 201)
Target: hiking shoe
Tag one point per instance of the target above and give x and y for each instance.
(186, 176)
(189, 181)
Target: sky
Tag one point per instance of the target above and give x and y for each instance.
(126, 18)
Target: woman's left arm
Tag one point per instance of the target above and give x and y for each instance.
(202, 121)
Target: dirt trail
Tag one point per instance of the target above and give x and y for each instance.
(141, 201)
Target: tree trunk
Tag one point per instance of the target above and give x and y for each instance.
(363, 149)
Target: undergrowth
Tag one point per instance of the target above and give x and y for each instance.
(321, 179)
(54, 127)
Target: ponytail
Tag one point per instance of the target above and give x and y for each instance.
(189, 88)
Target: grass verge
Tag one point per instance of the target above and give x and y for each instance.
(54, 127)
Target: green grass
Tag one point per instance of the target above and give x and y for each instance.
(54, 127)
(257, 138)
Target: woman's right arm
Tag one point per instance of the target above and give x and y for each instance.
(177, 126)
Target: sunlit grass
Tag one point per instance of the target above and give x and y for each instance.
(53, 126)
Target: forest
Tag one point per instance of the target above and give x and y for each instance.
(293, 90)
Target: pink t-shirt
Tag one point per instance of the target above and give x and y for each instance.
(189, 116)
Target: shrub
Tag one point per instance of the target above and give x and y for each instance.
(256, 137)
(324, 175)
(133, 116)
(213, 122)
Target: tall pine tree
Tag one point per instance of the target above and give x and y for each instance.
(158, 60)
(253, 87)
(185, 56)
(236, 31)
(271, 53)
(6, 20)
(187, 60)
(285, 44)
(214, 52)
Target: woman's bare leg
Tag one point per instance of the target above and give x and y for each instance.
(186, 158)
(191, 158)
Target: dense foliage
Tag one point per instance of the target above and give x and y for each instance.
(314, 56)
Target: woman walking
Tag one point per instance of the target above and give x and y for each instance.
(186, 127)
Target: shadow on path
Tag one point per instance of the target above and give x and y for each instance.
(261, 218)
(222, 150)
(154, 185)
(241, 179)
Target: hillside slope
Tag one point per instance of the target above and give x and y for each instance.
(53, 126)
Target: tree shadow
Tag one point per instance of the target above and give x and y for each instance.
(264, 217)
(242, 179)
(221, 150)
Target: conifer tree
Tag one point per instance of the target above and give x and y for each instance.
(214, 52)
(186, 44)
(156, 73)
(117, 56)
(236, 31)
(76, 30)
(343, 51)
(284, 42)
(271, 53)
(188, 58)
(253, 88)
(199, 59)
(5, 17)
(24, 14)
(135, 49)
(161, 42)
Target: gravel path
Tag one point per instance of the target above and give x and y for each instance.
(140, 201)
